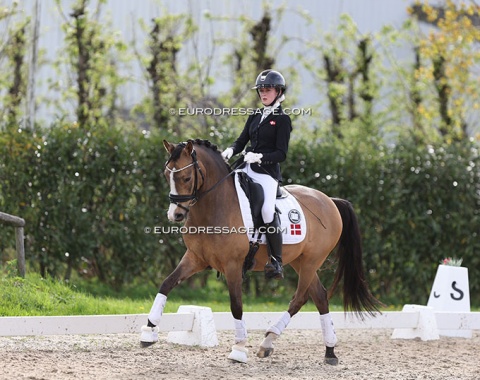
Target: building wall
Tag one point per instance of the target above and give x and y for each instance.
(370, 16)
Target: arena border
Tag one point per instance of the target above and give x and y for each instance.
(189, 325)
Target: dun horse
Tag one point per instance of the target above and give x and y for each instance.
(202, 193)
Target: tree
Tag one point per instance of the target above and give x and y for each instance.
(92, 55)
(14, 71)
(347, 63)
(449, 57)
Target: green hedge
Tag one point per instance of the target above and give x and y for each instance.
(87, 196)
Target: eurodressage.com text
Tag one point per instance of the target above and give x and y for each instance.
(217, 111)
(212, 230)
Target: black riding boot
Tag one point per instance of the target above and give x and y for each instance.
(273, 235)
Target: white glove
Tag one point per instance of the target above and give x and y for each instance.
(251, 158)
(227, 153)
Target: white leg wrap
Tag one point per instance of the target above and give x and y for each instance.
(283, 322)
(240, 331)
(329, 336)
(157, 309)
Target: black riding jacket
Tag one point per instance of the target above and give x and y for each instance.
(270, 137)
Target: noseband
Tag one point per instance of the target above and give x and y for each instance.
(193, 198)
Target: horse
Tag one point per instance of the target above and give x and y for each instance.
(203, 194)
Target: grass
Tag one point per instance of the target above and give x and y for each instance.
(35, 296)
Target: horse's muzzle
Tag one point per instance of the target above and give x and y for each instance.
(177, 212)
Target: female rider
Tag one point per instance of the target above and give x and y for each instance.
(269, 134)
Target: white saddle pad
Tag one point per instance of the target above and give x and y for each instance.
(292, 218)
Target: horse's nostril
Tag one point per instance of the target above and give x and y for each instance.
(178, 217)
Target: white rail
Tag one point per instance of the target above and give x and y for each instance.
(174, 322)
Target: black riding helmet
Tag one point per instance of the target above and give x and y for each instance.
(271, 78)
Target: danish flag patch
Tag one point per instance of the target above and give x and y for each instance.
(295, 229)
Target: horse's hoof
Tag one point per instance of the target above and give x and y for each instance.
(264, 352)
(146, 344)
(331, 361)
(330, 357)
(149, 336)
(239, 354)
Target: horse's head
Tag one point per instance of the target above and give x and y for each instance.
(185, 176)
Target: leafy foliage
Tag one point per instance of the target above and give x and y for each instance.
(87, 198)
(415, 207)
(87, 189)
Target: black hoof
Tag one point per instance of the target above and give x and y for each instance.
(268, 352)
(146, 344)
(330, 357)
(331, 361)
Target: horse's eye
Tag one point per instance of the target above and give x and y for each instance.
(187, 179)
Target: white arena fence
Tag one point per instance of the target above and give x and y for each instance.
(195, 325)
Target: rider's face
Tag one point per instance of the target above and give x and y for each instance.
(267, 95)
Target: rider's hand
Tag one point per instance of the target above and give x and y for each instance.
(227, 153)
(252, 158)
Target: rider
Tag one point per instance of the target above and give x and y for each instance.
(269, 134)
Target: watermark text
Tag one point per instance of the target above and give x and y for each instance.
(238, 111)
(211, 230)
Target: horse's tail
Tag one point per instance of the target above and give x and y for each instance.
(356, 294)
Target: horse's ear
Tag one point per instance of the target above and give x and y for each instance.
(169, 147)
(188, 148)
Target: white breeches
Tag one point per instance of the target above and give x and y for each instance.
(269, 186)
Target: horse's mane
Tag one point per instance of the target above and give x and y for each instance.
(205, 143)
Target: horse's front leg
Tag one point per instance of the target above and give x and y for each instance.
(234, 282)
(188, 266)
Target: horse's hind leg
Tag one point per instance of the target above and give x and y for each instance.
(188, 266)
(318, 293)
(299, 299)
(272, 334)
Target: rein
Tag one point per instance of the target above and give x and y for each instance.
(194, 197)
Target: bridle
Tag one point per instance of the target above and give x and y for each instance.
(195, 196)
